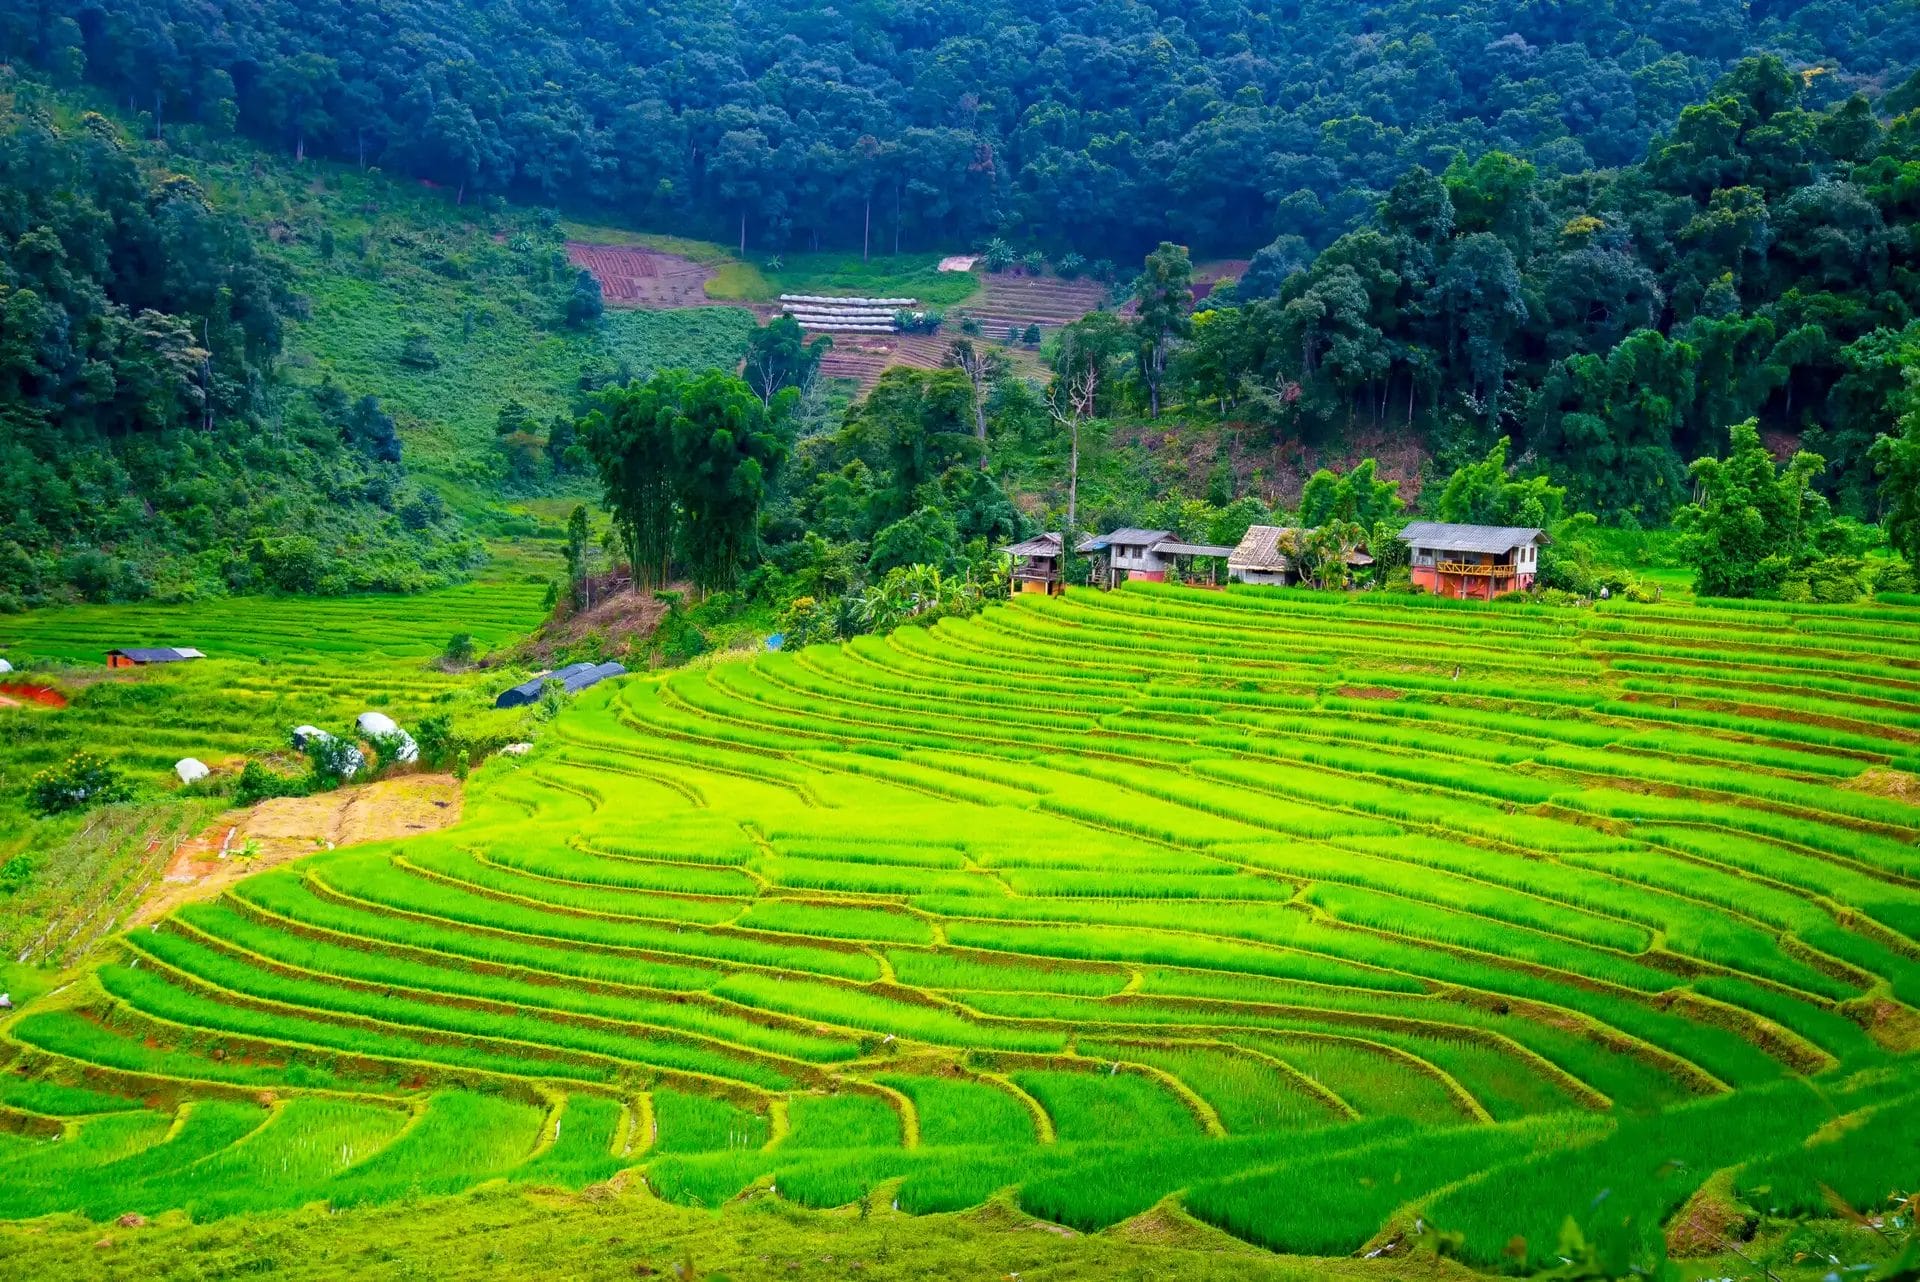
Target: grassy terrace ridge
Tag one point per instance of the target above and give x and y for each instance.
(1311, 913)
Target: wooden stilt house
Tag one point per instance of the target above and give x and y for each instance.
(1473, 562)
(1038, 565)
(1130, 555)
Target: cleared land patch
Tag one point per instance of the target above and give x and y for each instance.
(631, 276)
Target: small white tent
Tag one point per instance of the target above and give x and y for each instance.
(191, 770)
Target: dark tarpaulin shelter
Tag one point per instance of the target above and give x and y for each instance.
(573, 678)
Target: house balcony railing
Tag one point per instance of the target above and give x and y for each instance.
(1475, 567)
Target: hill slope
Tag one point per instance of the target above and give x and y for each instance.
(793, 126)
(1230, 893)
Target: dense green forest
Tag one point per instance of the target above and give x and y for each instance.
(224, 373)
(1104, 125)
(146, 449)
(1762, 262)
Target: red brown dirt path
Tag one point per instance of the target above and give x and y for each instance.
(15, 693)
(285, 828)
(633, 277)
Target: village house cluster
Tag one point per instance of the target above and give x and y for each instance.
(1467, 562)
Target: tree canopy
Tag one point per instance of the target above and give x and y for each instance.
(686, 462)
(1103, 126)
(147, 446)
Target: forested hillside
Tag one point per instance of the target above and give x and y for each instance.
(1103, 125)
(223, 372)
(1763, 262)
(144, 448)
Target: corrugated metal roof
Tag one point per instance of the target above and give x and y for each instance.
(1038, 545)
(1471, 538)
(1126, 536)
(1170, 547)
(159, 653)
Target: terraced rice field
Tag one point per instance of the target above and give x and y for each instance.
(1321, 913)
(272, 664)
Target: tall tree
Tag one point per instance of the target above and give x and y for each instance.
(630, 432)
(983, 369)
(1754, 521)
(729, 448)
(1896, 461)
(779, 356)
(1163, 294)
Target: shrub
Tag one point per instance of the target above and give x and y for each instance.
(84, 780)
(16, 873)
(998, 255)
(387, 749)
(460, 764)
(257, 783)
(1893, 576)
(460, 650)
(416, 350)
(434, 734)
(1034, 262)
(1070, 265)
(334, 759)
(1032, 336)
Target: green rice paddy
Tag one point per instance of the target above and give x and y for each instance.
(1321, 915)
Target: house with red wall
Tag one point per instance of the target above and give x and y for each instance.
(1473, 562)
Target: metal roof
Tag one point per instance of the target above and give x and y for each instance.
(1471, 538)
(1038, 545)
(1171, 547)
(159, 653)
(1126, 536)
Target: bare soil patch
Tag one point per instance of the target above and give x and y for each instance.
(1882, 780)
(630, 276)
(14, 694)
(1010, 299)
(285, 828)
(1209, 274)
(1710, 1219)
(622, 620)
(864, 357)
